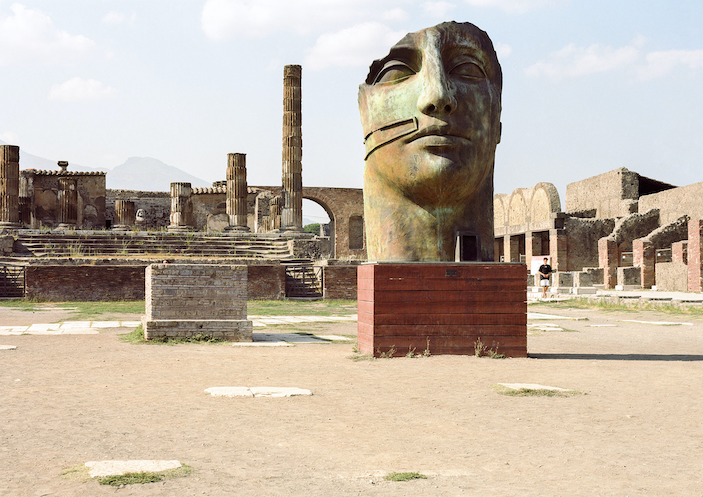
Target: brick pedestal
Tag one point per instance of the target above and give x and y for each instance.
(643, 257)
(446, 307)
(608, 259)
(185, 300)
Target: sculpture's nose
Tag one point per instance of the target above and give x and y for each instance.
(438, 95)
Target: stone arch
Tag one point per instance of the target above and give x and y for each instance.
(517, 210)
(499, 210)
(544, 202)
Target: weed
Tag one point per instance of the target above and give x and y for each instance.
(135, 336)
(426, 353)
(411, 353)
(407, 476)
(361, 357)
(388, 354)
(130, 478)
(481, 350)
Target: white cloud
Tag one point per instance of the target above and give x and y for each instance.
(357, 46)
(10, 138)
(514, 6)
(503, 50)
(224, 19)
(572, 61)
(113, 17)
(437, 9)
(396, 14)
(29, 35)
(76, 89)
(662, 63)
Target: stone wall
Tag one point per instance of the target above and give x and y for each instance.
(58, 283)
(187, 300)
(582, 240)
(612, 194)
(526, 209)
(157, 206)
(40, 189)
(671, 276)
(87, 281)
(674, 203)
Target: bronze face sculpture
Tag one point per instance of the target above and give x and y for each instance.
(430, 112)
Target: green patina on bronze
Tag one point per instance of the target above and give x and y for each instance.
(430, 112)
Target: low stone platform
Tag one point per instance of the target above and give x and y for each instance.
(187, 300)
(444, 308)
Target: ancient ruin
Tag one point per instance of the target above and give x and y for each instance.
(292, 195)
(9, 186)
(237, 192)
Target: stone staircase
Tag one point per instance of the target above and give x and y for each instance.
(303, 279)
(135, 244)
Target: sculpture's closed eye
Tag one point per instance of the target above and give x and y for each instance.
(394, 71)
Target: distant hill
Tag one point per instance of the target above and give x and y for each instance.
(137, 173)
(147, 174)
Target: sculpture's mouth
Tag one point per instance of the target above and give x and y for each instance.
(439, 135)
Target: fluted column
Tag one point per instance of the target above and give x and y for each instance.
(9, 186)
(292, 195)
(181, 207)
(237, 192)
(124, 215)
(275, 213)
(68, 203)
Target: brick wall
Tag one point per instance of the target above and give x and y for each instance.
(84, 283)
(339, 282)
(58, 283)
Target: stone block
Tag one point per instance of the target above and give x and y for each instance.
(629, 276)
(443, 307)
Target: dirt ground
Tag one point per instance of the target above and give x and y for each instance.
(636, 429)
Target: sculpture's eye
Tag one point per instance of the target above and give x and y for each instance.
(394, 71)
(468, 70)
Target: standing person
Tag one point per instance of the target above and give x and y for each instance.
(544, 272)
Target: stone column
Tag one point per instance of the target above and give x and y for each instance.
(9, 186)
(695, 255)
(558, 250)
(124, 215)
(181, 207)
(608, 259)
(292, 207)
(643, 256)
(237, 192)
(68, 203)
(275, 213)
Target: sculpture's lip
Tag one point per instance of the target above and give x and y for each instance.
(443, 132)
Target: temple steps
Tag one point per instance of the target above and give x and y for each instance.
(99, 244)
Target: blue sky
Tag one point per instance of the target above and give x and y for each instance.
(589, 85)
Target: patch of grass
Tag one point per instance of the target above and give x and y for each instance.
(75, 473)
(144, 477)
(607, 305)
(137, 337)
(301, 307)
(407, 476)
(130, 479)
(534, 392)
(387, 354)
(82, 310)
(361, 357)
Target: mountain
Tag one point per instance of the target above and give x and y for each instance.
(147, 174)
(137, 173)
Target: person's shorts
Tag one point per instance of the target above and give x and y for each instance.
(543, 282)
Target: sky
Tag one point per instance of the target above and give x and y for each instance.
(589, 86)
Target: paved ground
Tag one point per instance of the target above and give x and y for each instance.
(633, 430)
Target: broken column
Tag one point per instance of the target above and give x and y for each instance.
(181, 207)
(124, 215)
(237, 192)
(68, 203)
(9, 186)
(608, 259)
(275, 213)
(292, 207)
